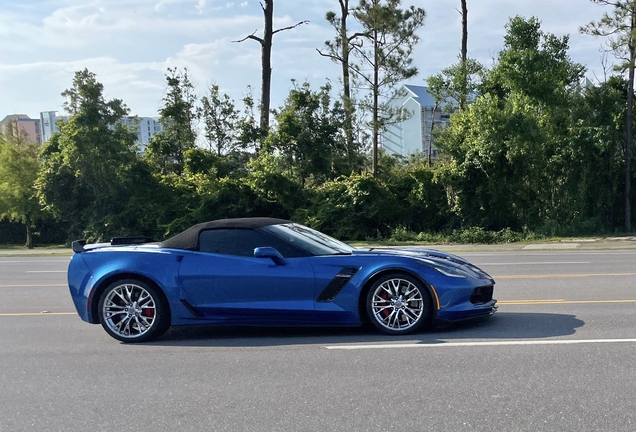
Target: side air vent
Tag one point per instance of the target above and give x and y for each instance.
(336, 284)
(195, 313)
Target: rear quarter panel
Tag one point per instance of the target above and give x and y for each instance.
(90, 271)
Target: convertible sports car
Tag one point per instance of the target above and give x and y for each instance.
(263, 271)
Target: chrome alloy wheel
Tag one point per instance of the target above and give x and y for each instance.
(129, 310)
(397, 304)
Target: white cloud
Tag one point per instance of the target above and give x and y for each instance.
(164, 4)
(129, 44)
(132, 82)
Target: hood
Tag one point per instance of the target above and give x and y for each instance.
(414, 252)
(432, 258)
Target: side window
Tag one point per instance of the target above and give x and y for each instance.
(217, 241)
(247, 240)
(242, 242)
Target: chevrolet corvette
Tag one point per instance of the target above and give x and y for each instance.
(268, 272)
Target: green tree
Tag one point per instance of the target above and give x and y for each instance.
(339, 50)
(220, 118)
(596, 171)
(355, 207)
(383, 50)
(453, 87)
(620, 27)
(84, 165)
(508, 152)
(250, 135)
(277, 190)
(421, 203)
(166, 149)
(19, 167)
(456, 85)
(310, 135)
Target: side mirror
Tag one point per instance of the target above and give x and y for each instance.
(270, 252)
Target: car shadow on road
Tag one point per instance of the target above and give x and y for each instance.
(503, 325)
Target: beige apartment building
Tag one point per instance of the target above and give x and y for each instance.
(17, 124)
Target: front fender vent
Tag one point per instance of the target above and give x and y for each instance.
(336, 284)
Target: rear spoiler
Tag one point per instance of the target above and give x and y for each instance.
(78, 245)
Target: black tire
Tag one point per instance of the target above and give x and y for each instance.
(399, 304)
(133, 311)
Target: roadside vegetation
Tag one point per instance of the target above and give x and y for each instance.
(531, 151)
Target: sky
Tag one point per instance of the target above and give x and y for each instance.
(129, 44)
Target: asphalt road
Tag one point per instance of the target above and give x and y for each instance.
(557, 356)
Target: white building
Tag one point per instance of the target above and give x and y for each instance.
(48, 123)
(414, 134)
(146, 127)
(41, 130)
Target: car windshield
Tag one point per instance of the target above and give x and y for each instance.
(311, 241)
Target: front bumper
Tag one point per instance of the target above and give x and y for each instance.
(467, 312)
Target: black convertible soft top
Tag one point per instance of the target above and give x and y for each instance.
(189, 239)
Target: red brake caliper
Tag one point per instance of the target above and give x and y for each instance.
(385, 312)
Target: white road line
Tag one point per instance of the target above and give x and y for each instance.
(46, 271)
(527, 254)
(478, 344)
(31, 261)
(43, 313)
(560, 276)
(536, 263)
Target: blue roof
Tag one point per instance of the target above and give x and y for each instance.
(421, 95)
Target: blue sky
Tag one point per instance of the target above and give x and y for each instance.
(130, 43)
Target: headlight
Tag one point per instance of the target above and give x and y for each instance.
(445, 270)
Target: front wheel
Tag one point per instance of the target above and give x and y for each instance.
(398, 304)
(133, 311)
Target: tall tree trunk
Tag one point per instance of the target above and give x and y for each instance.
(29, 234)
(430, 141)
(266, 58)
(376, 90)
(266, 63)
(346, 79)
(464, 89)
(630, 109)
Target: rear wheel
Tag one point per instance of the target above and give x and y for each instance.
(133, 311)
(398, 304)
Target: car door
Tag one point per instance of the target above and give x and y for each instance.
(223, 281)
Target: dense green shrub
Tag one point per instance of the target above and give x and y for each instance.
(354, 208)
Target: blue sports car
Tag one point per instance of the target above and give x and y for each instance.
(263, 271)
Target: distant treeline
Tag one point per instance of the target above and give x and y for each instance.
(533, 152)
